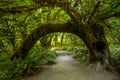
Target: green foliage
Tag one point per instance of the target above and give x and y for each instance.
(115, 51)
(70, 48)
(81, 53)
(42, 56)
(115, 57)
(114, 34)
(14, 70)
(67, 48)
(18, 19)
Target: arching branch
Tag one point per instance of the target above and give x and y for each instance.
(38, 33)
(21, 9)
(109, 15)
(110, 11)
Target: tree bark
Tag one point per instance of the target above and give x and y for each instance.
(62, 38)
(56, 39)
(100, 45)
(38, 33)
(49, 40)
(45, 41)
(75, 40)
(93, 38)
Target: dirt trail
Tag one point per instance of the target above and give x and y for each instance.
(68, 68)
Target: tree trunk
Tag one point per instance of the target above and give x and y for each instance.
(44, 42)
(101, 44)
(62, 38)
(56, 39)
(99, 51)
(49, 40)
(75, 40)
(98, 47)
(93, 38)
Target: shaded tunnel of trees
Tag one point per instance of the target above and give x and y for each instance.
(98, 45)
(90, 31)
(33, 19)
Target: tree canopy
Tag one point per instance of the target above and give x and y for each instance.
(36, 18)
(24, 22)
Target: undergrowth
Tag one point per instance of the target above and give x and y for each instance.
(17, 69)
(115, 57)
(80, 53)
(67, 48)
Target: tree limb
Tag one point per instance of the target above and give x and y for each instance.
(93, 17)
(20, 9)
(38, 33)
(108, 15)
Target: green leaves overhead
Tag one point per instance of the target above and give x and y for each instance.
(19, 17)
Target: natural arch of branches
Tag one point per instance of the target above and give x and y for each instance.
(88, 29)
(91, 42)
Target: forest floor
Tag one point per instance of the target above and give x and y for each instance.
(68, 68)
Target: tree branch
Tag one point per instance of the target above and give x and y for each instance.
(93, 17)
(109, 13)
(71, 11)
(21, 9)
(74, 14)
(38, 33)
(117, 14)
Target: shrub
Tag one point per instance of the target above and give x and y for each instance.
(115, 57)
(115, 51)
(16, 69)
(70, 48)
(80, 53)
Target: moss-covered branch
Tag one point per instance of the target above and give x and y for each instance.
(38, 33)
(21, 9)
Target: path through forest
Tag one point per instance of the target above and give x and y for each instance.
(67, 68)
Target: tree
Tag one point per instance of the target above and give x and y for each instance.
(87, 20)
(46, 41)
(62, 38)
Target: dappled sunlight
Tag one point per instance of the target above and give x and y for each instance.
(53, 48)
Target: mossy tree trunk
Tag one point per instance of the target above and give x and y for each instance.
(100, 45)
(39, 32)
(93, 38)
(97, 45)
(62, 38)
(45, 41)
(56, 39)
(98, 50)
(87, 29)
